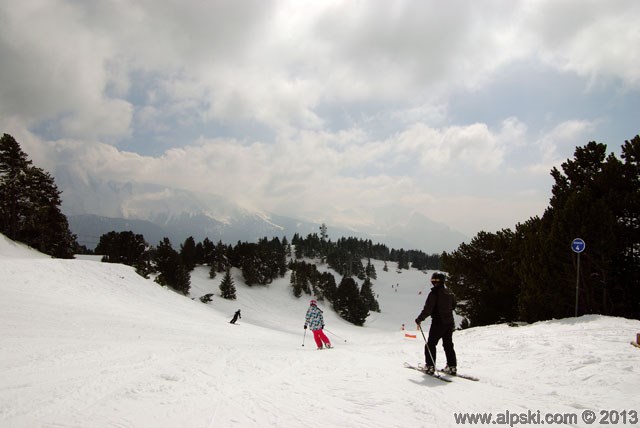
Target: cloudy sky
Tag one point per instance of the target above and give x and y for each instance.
(344, 112)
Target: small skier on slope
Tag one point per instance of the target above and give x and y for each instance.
(315, 321)
(439, 305)
(235, 317)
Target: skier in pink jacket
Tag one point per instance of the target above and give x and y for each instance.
(315, 321)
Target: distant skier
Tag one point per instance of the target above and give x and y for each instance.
(315, 321)
(235, 317)
(439, 305)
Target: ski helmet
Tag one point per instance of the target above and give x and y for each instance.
(437, 278)
(314, 302)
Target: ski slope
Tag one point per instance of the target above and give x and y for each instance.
(92, 345)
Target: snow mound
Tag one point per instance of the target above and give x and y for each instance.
(15, 250)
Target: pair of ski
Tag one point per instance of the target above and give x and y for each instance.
(439, 374)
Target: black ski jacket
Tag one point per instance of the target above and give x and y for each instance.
(439, 306)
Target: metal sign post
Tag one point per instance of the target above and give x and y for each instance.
(578, 246)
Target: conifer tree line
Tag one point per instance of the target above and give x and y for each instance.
(344, 254)
(350, 301)
(530, 273)
(30, 204)
(260, 263)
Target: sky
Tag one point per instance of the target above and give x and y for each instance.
(336, 111)
(94, 345)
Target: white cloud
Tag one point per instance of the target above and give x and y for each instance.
(277, 62)
(354, 97)
(53, 65)
(108, 118)
(591, 38)
(318, 175)
(558, 144)
(472, 147)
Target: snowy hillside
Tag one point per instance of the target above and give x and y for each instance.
(93, 345)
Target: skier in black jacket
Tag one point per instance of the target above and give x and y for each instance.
(439, 306)
(235, 317)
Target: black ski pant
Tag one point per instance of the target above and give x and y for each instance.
(437, 332)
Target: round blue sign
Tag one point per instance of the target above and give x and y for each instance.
(578, 245)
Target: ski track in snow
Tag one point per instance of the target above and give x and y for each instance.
(87, 344)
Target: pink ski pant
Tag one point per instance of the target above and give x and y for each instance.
(320, 338)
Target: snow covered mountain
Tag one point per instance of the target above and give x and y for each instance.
(95, 207)
(94, 345)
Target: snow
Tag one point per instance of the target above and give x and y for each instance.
(89, 344)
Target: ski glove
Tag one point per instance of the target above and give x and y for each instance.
(305, 326)
(418, 321)
(322, 326)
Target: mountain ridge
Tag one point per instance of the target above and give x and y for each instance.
(95, 207)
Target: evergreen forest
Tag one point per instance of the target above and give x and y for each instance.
(530, 273)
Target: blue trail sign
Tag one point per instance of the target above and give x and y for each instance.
(578, 245)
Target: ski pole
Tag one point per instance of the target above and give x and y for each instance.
(329, 331)
(426, 345)
(303, 337)
(420, 328)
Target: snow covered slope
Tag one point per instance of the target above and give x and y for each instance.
(87, 344)
(15, 250)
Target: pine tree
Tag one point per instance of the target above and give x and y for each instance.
(30, 204)
(182, 279)
(208, 249)
(297, 289)
(48, 228)
(370, 270)
(323, 243)
(14, 166)
(482, 276)
(366, 295)
(188, 253)
(403, 260)
(327, 282)
(628, 261)
(227, 287)
(281, 258)
(213, 271)
(303, 278)
(348, 303)
(220, 261)
(126, 248)
(172, 272)
(249, 272)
